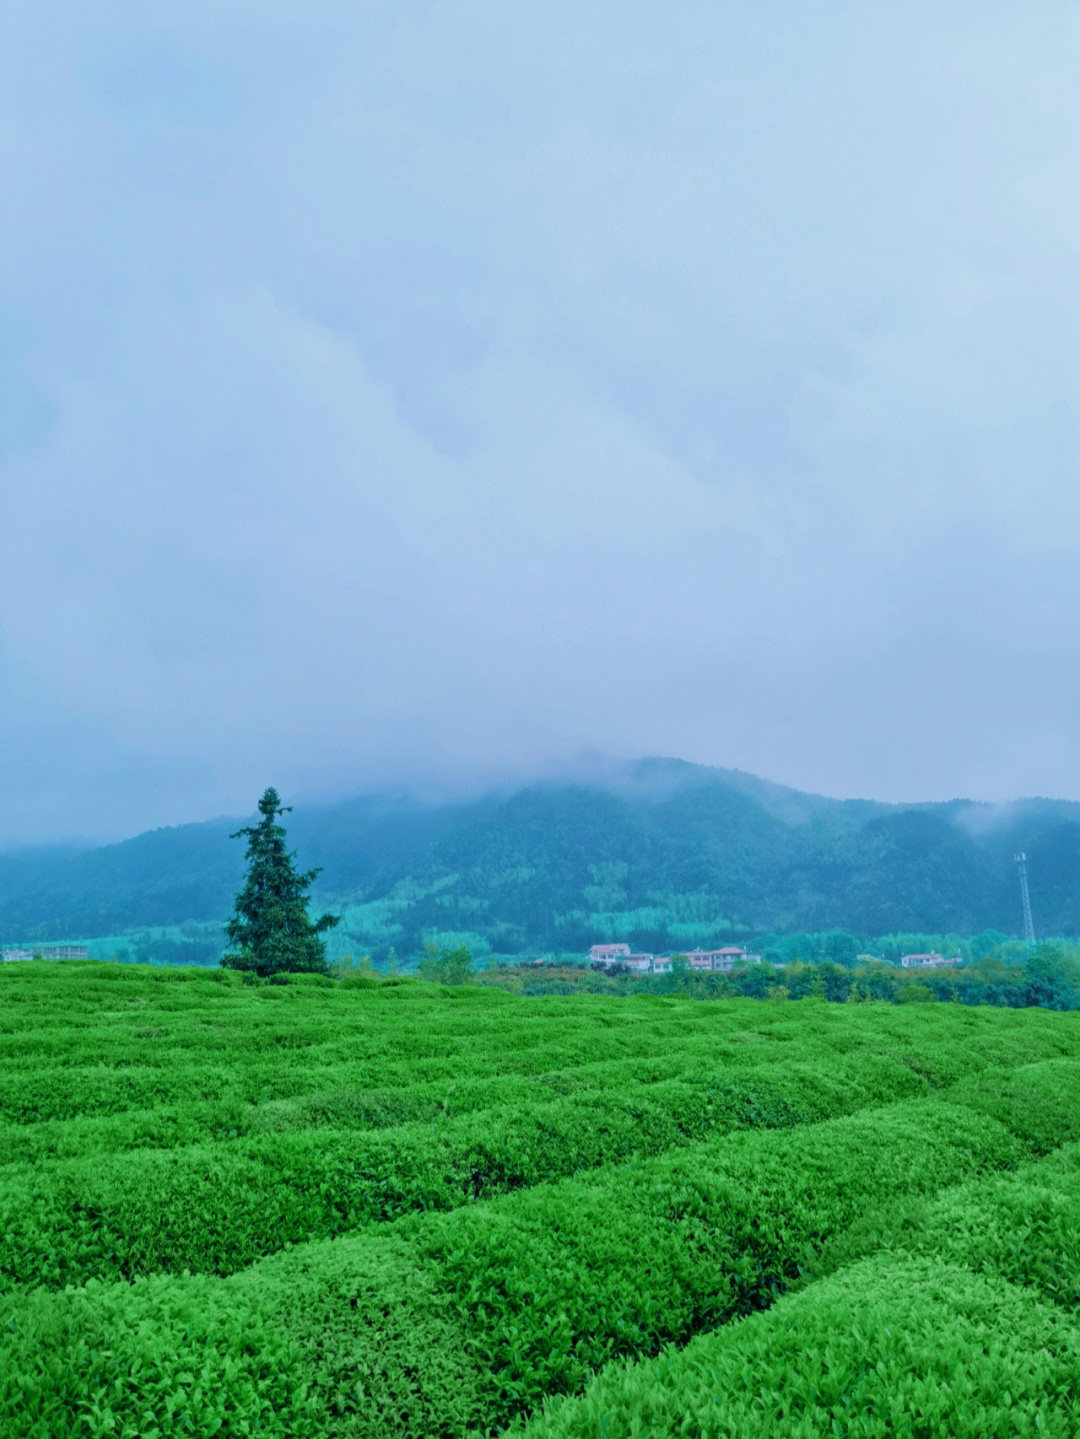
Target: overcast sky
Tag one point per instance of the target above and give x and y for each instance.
(439, 393)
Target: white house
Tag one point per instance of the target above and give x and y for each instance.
(720, 960)
(640, 963)
(609, 953)
(933, 960)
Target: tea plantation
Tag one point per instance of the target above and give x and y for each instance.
(383, 1208)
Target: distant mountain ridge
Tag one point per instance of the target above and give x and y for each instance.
(660, 852)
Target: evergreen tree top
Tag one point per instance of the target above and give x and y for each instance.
(270, 804)
(270, 921)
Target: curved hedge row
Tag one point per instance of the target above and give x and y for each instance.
(66, 1110)
(130, 1083)
(1027, 1100)
(159, 1357)
(945, 1338)
(894, 1348)
(351, 1104)
(326, 1107)
(217, 1208)
(448, 1322)
(135, 1041)
(1024, 1227)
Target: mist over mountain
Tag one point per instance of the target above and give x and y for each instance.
(660, 852)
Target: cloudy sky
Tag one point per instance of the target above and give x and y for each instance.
(439, 394)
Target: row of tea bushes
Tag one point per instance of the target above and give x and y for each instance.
(343, 1104)
(76, 1014)
(64, 1110)
(1024, 1227)
(337, 1096)
(952, 1330)
(723, 1061)
(109, 1079)
(892, 1348)
(159, 1359)
(451, 1322)
(143, 1039)
(1027, 1100)
(217, 1208)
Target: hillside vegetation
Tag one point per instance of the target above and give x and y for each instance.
(384, 1208)
(670, 857)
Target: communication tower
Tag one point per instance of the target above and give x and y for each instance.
(1029, 928)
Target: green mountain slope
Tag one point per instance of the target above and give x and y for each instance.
(663, 854)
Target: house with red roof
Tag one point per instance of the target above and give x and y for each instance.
(609, 953)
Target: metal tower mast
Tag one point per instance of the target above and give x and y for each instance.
(1029, 928)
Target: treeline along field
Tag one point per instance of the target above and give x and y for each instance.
(386, 1208)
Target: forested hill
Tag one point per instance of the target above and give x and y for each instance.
(667, 855)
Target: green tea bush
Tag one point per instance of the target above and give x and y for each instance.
(562, 1279)
(1024, 1227)
(154, 1359)
(212, 1183)
(530, 1293)
(895, 1348)
(761, 1099)
(78, 1043)
(1040, 1105)
(155, 1075)
(1027, 1101)
(152, 1121)
(217, 1208)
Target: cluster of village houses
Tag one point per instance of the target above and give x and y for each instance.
(606, 956)
(722, 961)
(49, 951)
(718, 960)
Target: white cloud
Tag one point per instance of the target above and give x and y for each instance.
(402, 383)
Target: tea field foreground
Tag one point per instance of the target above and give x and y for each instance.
(377, 1208)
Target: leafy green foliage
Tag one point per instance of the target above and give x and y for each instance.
(535, 1290)
(1024, 1227)
(446, 966)
(894, 1348)
(326, 1163)
(270, 922)
(421, 1209)
(205, 1364)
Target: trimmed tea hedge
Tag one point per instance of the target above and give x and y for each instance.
(713, 1060)
(1024, 1227)
(894, 1348)
(216, 1209)
(158, 1358)
(444, 1322)
(85, 1040)
(154, 1120)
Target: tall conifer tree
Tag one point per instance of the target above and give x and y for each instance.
(270, 925)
